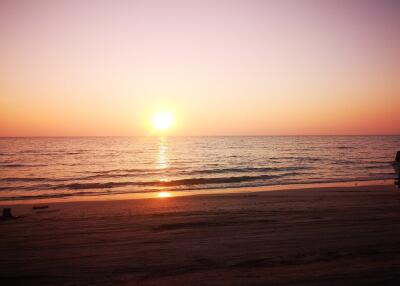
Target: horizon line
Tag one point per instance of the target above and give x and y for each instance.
(127, 136)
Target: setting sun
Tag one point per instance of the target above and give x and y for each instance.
(162, 120)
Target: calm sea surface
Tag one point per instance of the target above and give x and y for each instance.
(32, 168)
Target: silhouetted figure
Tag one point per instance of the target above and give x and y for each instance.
(7, 214)
(396, 166)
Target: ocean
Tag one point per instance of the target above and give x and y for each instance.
(85, 167)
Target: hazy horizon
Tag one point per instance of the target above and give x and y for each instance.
(222, 68)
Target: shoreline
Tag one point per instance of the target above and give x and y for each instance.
(312, 236)
(172, 193)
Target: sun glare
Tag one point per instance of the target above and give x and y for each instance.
(162, 120)
(164, 194)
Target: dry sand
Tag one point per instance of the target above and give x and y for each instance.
(323, 236)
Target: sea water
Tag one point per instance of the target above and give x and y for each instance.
(34, 168)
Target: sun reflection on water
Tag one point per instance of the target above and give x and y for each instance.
(162, 164)
(162, 159)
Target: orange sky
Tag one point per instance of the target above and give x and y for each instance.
(222, 67)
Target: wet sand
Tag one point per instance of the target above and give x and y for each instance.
(321, 236)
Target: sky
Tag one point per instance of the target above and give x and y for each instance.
(237, 67)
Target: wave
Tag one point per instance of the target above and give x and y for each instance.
(24, 179)
(127, 173)
(14, 165)
(195, 177)
(386, 166)
(189, 188)
(130, 171)
(65, 195)
(245, 170)
(182, 171)
(345, 147)
(172, 183)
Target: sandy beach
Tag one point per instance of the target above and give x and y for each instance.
(320, 236)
